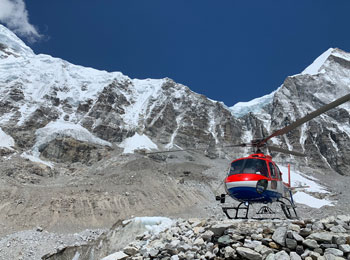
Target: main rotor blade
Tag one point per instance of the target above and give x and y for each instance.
(308, 117)
(237, 145)
(281, 150)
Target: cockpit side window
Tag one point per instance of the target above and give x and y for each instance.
(279, 175)
(273, 171)
(255, 166)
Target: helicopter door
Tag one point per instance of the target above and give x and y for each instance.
(276, 182)
(273, 177)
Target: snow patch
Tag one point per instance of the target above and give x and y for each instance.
(254, 106)
(142, 92)
(154, 225)
(6, 141)
(63, 128)
(12, 41)
(300, 179)
(136, 142)
(314, 68)
(304, 198)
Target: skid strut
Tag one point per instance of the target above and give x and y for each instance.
(241, 206)
(288, 207)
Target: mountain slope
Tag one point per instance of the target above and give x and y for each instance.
(38, 89)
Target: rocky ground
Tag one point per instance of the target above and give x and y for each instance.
(307, 239)
(67, 200)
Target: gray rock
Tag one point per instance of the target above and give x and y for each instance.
(279, 236)
(299, 249)
(218, 229)
(328, 226)
(199, 242)
(258, 237)
(317, 226)
(332, 257)
(314, 255)
(345, 248)
(324, 245)
(236, 237)
(271, 257)
(333, 251)
(306, 253)
(209, 255)
(310, 243)
(248, 253)
(339, 240)
(319, 250)
(282, 255)
(305, 232)
(251, 244)
(338, 229)
(345, 218)
(229, 252)
(297, 237)
(291, 243)
(130, 250)
(153, 252)
(294, 227)
(207, 235)
(225, 240)
(263, 250)
(323, 237)
(294, 256)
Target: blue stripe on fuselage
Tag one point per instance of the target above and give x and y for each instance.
(250, 194)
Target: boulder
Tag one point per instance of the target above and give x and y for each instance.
(323, 237)
(218, 229)
(294, 256)
(279, 236)
(310, 243)
(248, 253)
(282, 255)
(333, 251)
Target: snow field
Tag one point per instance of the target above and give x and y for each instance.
(299, 179)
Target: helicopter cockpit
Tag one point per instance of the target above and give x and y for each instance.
(252, 166)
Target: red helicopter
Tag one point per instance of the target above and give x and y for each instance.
(257, 179)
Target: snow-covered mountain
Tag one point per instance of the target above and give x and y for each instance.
(48, 105)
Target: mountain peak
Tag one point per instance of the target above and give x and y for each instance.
(9, 43)
(317, 66)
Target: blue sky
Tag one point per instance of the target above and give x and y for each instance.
(228, 50)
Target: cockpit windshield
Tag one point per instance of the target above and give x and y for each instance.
(255, 166)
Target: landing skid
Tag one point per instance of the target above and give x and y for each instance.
(282, 208)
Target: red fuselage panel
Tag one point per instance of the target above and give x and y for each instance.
(245, 177)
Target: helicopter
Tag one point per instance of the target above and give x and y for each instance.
(257, 179)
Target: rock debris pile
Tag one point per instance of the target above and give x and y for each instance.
(307, 239)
